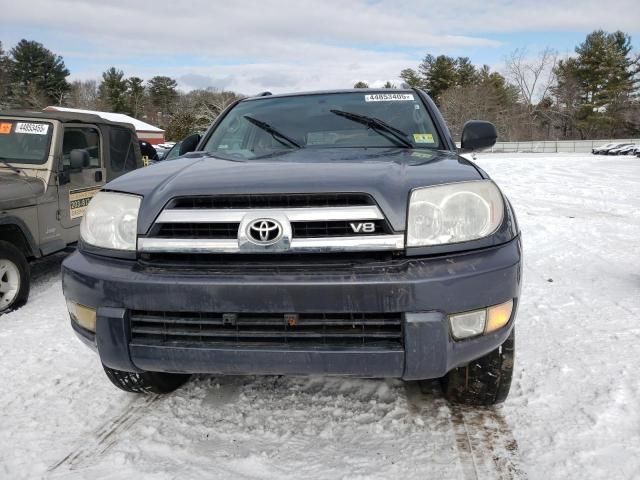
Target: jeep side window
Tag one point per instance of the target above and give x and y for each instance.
(122, 152)
(81, 138)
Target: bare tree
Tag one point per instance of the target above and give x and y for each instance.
(532, 75)
(196, 110)
(83, 94)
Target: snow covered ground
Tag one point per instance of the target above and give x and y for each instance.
(573, 412)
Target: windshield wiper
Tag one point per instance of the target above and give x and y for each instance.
(4, 161)
(274, 133)
(376, 125)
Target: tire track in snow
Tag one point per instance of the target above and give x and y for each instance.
(105, 436)
(485, 443)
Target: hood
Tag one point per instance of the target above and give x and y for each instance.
(388, 175)
(18, 191)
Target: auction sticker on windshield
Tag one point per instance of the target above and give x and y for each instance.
(423, 138)
(389, 97)
(32, 128)
(5, 128)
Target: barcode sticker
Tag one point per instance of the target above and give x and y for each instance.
(32, 128)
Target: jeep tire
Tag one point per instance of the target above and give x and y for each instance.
(14, 277)
(485, 381)
(146, 382)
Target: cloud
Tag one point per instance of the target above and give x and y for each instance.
(191, 81)
(256, 45)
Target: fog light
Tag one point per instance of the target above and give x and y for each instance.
(83, 316)
(468, 324)
(498, 316)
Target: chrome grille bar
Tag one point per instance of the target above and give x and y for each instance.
(327, 244)
(206, 215)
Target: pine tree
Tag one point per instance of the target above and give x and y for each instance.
(135, 95)
(163, 93)
(604, 72)
(38, 76)
(412, 78)
(5, 72)
(113, 90)
(466, 72)
(440, 74)
(566, 95)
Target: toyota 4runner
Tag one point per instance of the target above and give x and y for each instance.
(332, 233)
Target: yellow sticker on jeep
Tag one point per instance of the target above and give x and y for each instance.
(79, 199)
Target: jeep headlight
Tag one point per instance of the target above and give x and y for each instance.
(453, 213)
(111, 221)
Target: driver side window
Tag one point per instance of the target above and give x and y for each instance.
(81, 138)
(237, 137)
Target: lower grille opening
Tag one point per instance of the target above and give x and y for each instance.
(260, 329)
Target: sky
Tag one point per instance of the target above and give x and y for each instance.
(296, 45)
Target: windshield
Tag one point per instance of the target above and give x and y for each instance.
(24, 141)
(258, 128)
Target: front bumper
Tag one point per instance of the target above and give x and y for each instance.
(424, 290)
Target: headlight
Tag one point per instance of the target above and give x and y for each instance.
(457, 212)
(111, 221)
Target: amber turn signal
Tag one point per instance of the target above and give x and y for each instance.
(498, 316)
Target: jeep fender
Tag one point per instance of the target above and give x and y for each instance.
(27, 243)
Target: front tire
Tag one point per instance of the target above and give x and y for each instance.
(14, 277)
(146, 382)
(485, 381)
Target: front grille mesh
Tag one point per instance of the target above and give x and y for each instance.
(196, 230)
(274, 201)
(259, 329)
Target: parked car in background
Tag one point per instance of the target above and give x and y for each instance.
(51, 165)
(624, 150)
(599, 149)
(610, 150)
(149, 153)
(161, 152)
(174, 152)
(605, 149)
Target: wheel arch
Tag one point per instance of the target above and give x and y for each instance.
(15, 231)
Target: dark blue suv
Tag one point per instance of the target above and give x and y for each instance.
(332, 233)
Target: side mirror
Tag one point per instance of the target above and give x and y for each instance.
(190, 143)
(478, 134)
(78, 159)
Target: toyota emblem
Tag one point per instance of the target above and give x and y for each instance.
(264, 231)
